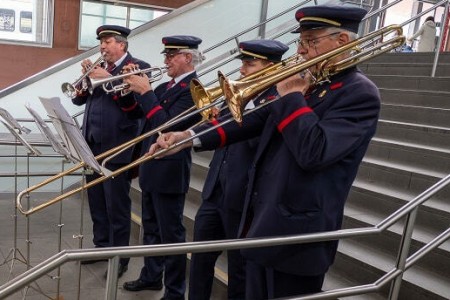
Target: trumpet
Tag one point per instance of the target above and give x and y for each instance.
(108, 83)
(82, 83)
(237, 93)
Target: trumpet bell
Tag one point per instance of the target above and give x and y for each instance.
(69, 90)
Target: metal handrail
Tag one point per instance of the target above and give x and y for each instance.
(235, 37)
(114, 253)
(403, 262)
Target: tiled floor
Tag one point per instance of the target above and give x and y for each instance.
(43, 234)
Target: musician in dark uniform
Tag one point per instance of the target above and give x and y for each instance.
(223, 193)
(312, 141)
(165, 182)
(107, 124)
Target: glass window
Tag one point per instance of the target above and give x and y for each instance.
(94, 14)
(19, 21)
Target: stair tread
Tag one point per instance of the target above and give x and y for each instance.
(421, 91)
(373, 218)
(434, 282)
(431, 109)
(416, 126)
(414, 146)
(402, 195)
(404, 167)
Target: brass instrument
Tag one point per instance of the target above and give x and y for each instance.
(237, 94)
(82, 83)
(201, 94)
(123, 86)
(106, 156)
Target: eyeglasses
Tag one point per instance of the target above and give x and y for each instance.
(309, 43)
(170, 56)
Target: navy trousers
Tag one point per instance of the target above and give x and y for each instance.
(110, 207)
(267, 283)
(213, 222)
(162, 219)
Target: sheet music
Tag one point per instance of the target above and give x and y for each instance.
(45, 130)
(70, 134)
(30, 148)
(13, 122)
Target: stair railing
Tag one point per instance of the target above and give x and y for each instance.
(394, 275)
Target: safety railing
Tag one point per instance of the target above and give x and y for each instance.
(394, 276)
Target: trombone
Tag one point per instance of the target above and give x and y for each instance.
(237, 94)
(82, 83)
(201, 94)
(106, 156)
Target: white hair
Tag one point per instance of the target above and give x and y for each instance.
(352, 35)
(197, 56)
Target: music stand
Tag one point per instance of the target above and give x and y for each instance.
(76, 145)
(12, 125)
(70, 134)
(57, 146)
(13, 122)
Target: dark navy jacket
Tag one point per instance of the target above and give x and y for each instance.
(238, 156)
(308, 156)
(106, 119)
(169, 174)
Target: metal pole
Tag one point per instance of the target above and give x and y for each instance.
(403, 254)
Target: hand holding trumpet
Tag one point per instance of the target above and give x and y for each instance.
(138, 83)
(93, 70)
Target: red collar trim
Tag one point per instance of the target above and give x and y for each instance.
(336, 85)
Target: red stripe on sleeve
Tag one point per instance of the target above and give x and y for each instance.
(221, 132)
(130, 107)
(153, 111)
(293, 116)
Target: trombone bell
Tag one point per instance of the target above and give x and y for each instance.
(204, 96)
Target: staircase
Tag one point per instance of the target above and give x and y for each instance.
(410, 152)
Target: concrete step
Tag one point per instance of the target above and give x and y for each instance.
(369, 264)
(430, 221)
(416, 98)
(193, 198)
(372, 193)
(400, 177)
(427, 136)
(432, 158)
(406, 83)
(429, 116)
(410, 58)
(406, 69)
(334, 279)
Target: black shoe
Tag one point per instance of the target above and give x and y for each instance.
(89, 262)
(122, 269)
(139, 285)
